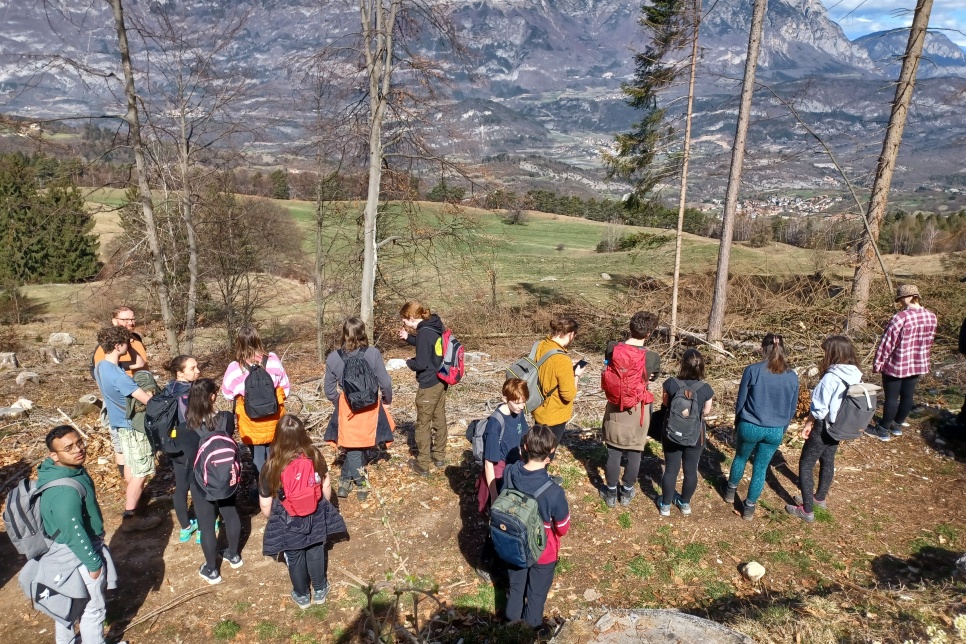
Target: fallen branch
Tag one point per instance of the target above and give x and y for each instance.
(74, 425)
(191, 594)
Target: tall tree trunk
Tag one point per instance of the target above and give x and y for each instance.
(682, 198)
(144, 187)
(719, 301)
(187, 213)
(887, 165)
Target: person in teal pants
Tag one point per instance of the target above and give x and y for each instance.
(766, 404)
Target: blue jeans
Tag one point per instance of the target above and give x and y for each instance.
(763, 442)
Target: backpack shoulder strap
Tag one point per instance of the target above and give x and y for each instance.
(507, 480)
(543, 488)
(265, 361)
(533, 351)
(499, 418)
(547, 356)
(342, 354)
(64, 482)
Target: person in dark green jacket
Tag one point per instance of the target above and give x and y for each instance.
(77, 523)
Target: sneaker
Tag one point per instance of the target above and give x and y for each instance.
(418, 469)
(665, 510)
(799, 511)
(821, 504)
(211, 576)
(748, 511)
(729, 493)
(302, 601)
(878, 432)
(139, 524)
(896, 430)
(484, 574)
(627, 494)
(318, 597)
(609, 496)
(685, 508)
(235, 561)
(185, 534)
(344, 488)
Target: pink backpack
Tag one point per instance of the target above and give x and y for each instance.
(301, 489)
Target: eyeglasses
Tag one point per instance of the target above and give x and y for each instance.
(73, 447)
(125, 319)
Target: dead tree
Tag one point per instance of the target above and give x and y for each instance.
(886, 166)
(719, 299)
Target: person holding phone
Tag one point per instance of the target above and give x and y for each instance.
(557, 377)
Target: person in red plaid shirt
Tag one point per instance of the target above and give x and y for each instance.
(901, 357)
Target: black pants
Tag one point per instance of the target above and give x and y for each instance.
(897, 403)
(613, 469)
(305, 566)
(528, 592)
(674, 456)
(183, 473)
(819, 447)
(558, 432)
(207, 511)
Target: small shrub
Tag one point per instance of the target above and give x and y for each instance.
(226, 629)
(560, 247)
(624, 520)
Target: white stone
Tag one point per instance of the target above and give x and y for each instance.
(394, 364)
(8, 360)
(27, 376)
(605, 276)
(753, 571)
(548, 278)
(61, 339)
(591, 595)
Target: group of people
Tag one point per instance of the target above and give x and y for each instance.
(516, 453)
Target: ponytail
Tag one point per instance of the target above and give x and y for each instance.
(412, 310)
(773, 346)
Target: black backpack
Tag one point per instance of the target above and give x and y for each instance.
(359, 383)
(683, 418)
(260, 397)
(160, 417)
(217, 467)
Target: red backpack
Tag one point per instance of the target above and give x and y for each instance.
(452, 370)
(624, 379)
(301, 490)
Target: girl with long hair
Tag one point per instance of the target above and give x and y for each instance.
(256, 433)
(424, 330)
(766, 404)
(202, 417)
(302, 539)
(676, 456)
(840, 370)
(184, 371)
(361, 430)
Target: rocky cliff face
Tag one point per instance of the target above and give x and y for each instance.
(941, 56)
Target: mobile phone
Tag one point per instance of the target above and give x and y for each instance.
(580, 365)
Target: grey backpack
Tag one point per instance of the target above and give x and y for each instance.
(855, 411)
(527, 369)
(475, 434)
(25, 526)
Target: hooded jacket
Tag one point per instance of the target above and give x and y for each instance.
(428, 341)
(79, 522)
(827, 395)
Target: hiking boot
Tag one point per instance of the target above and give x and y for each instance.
(185, 534)
(344, 487)
(799, 511)
(418, 469)
(665, 510)
(685, 508)
(235, 561)
(816, 502)
(879, 432)
(211, 576)
(627, 494)
(138, 524)
(609, 495)
(318, 597)
(302, 601)
(748, 511)
(547, 631)
(363, 492)
(438, 462)
(729, 493)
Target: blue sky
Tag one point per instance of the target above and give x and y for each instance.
(860, 17)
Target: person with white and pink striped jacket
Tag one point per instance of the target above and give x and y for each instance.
(258, 433)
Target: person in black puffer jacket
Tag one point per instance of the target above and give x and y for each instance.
(302, 539)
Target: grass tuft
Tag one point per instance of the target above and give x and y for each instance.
(226, 629)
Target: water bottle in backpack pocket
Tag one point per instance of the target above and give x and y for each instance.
(683, 418)
(217, 467)
(516, 527)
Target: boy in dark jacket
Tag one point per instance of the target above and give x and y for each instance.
(424, 330)
(529, 586)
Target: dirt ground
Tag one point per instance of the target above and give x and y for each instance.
(877, 567)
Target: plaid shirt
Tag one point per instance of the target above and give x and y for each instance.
(906, 343)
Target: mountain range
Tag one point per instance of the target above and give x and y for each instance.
(541, 77)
